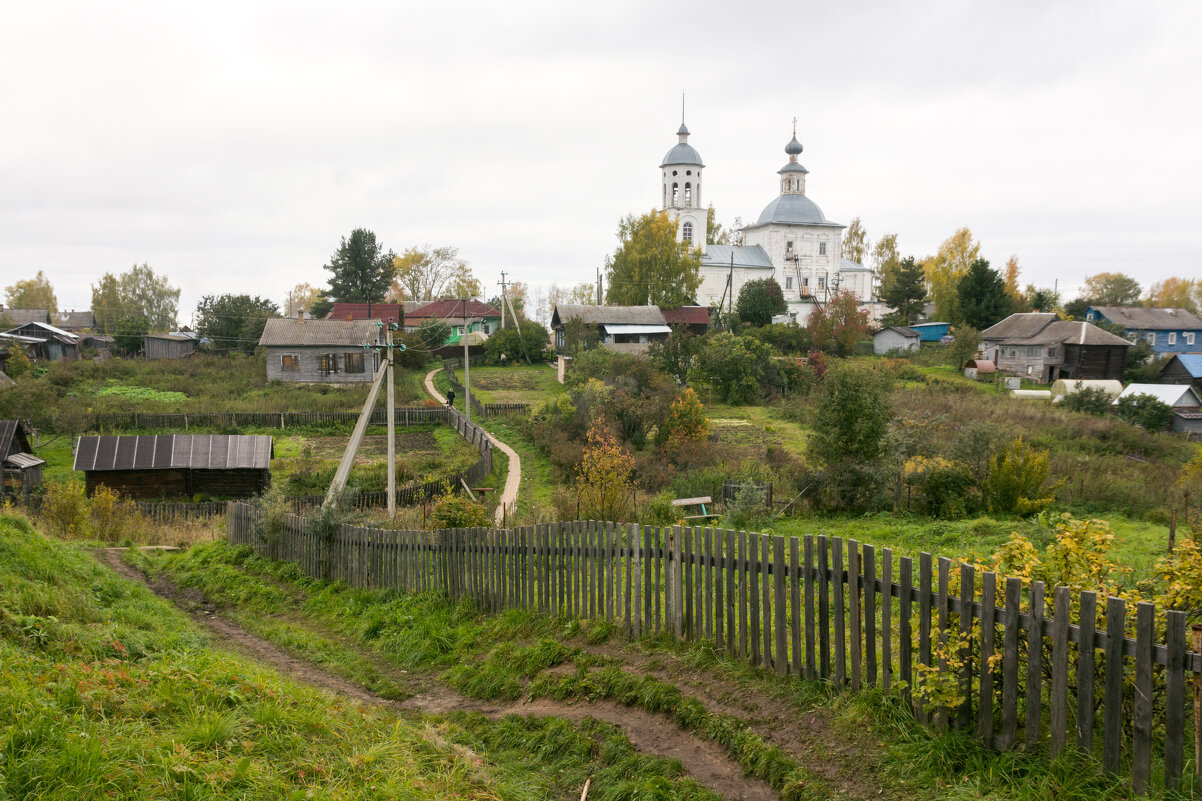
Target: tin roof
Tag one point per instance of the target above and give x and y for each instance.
(12, 439)
(687, 315)
(367, 311)
(451, 309)
(288, 332)
(23, 316)
(174, 451)
(1192, 362)
(1150, 319)
(744, 256)
(24, 460)
(1172, 394)
(1046, 328)
(603, 315)
(901, 329)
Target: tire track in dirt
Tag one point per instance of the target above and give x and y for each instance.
(706, 762)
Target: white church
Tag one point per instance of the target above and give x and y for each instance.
(791, 241)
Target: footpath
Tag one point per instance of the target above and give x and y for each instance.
(509, 495)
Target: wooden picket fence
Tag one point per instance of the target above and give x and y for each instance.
(481, 409)
(826, 609)
(405, 416)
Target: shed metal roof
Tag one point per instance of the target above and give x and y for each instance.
(688, 315)
(286, 332)
(1172, 394)
(909, 333)
(24, 460)
(174, 451)
(624, 328)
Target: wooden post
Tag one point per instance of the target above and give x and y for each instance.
(1085, 671)
(967, 590)
(389, 399)
(869, 560)
(985, 695)
(840, 623)
(1112, 717)
(853, 610)
(1035, 664)
(1174, 699)
(1141, 751)
(1010, 664)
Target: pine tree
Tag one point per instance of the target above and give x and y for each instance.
(907, 292)
(982, 295)
(361, 272)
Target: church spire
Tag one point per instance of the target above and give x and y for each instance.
(793, 175)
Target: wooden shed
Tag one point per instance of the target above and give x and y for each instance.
(1184, 368)
(20, 469)
(168, 346)
(174, 465)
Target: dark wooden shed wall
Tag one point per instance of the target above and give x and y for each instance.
(174, 483)
(1175, 373)
(1093, 361)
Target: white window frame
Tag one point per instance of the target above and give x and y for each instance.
(821, 248)
(1189, 337)
(1172, 337)
(788, 282)
(1151, 337)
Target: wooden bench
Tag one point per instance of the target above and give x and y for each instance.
(702, 501)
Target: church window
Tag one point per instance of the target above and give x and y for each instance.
(673, 173)
(688, 194)
(688, 172)
(821, 248)
(822, 283)
(687, 232)
(789, 248)
(788, 282)
(675, 193)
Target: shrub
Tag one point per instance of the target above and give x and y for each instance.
(1016, 480)
(945, 486)
(1090, 400)
(65, 509)
(525, 340)
(738, 368)
(603, 483)
(458, 511)
(18, 363)
(686, 420)
(852, 416)
(1145, 411)
(747, 510)
(113, 517)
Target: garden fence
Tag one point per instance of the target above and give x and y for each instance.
(1042, 670)
(405, 416)
(482, 409)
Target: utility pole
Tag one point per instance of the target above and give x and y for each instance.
(388, 328)
(467, 366)
(730, 285)
(502, 283)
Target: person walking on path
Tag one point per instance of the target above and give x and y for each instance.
(451, 397)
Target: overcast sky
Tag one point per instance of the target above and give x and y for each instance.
(231, 145)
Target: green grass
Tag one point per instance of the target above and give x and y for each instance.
(109, 692)
(519, 383)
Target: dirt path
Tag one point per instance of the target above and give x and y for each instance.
(513, 481)
(704, 761)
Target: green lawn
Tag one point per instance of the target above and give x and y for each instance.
(514, 384)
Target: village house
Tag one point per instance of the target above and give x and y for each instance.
(693, 320)
(625, 329)
(895, 338)
(1166, 330)
(464, 318)
(1184, 368)
(1042, 347)
(20, 469)
(77, 321)
(321, 351)
(1183, 399)
(48, 343)
(176, 465)
(23, 316)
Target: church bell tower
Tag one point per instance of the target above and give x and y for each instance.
(680, 174)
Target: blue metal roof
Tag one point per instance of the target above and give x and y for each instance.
(682, 153)
(1192, 363)
(748, 256)
(792, 166)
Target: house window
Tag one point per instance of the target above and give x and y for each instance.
(821, 248)
(1151, 337)
(1052, 351)
(329, 363)
(1172, 337)
(788, 282)
(1030, 369)
(289, 363)
(354, 362)
(687, 233)
(1189, 337)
